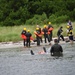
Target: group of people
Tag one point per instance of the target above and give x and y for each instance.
(46, 31)
(55, 50)
(69, 33)
(27, 36)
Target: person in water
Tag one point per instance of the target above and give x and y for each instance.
(56, 49)
(40, 52)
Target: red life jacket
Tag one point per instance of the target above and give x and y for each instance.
(40, 35)
(23, 36)
(48, 32)
(50, 29)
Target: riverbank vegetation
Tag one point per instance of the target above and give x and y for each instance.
(14, 33)
(30, 12)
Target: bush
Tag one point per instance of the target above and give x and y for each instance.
(61, 19)
(8, 22)
(17, 22)
(52, 18)
(37, 19)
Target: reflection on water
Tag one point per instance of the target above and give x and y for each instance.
(19, 61)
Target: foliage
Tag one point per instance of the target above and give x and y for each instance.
(18, 12)
(60, 19)
(37, 19)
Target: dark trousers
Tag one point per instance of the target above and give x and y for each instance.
(24, 42)
(28, 42)
(41, 39)
(50, 36)
(60, 36)
(46, 38)
(38, 40)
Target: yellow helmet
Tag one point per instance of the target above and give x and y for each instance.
(28, 30)
(49, 23)
(24, 28)
(37, 28)
(68, 27)
(45, 26)
(70, 30)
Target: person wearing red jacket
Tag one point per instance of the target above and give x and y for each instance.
(40, 31)
(38, 36)
(23, 36)
(50, 29)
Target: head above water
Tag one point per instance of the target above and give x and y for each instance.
(55, 40)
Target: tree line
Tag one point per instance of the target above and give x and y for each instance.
(18, 12)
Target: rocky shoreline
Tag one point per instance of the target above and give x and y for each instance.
(20, 44)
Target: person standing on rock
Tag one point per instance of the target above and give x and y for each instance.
(70, 34)
(40, 31)
(59, 34)
(45, 31)
(28, 38)
(23, 36)
(38, 36)
(50, 29)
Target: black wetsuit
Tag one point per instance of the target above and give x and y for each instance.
(40, 33)
(24, 33)
(38, 38)
(45, 30)
(59, 34)
(28, 35)
(56, 50)
(70, 35)
(51, 33)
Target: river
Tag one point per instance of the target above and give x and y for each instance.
(19, 61)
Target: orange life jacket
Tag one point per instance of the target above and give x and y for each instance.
(40, 35)
(23, 36)
(48, 32)
(50, 29)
